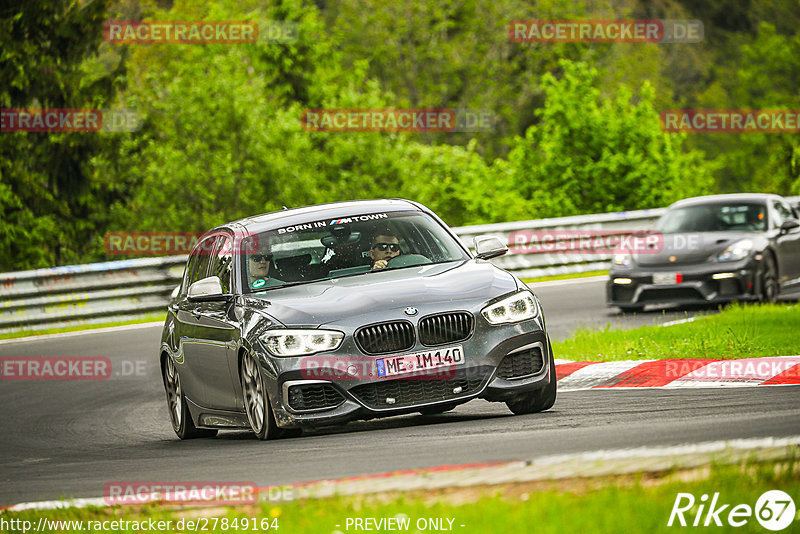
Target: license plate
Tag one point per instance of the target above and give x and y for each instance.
(421, 361)
(667, 278)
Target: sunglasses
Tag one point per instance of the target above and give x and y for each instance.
(394, 247)
(261, 257)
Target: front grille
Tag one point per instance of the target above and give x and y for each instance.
(445, 328)
(412, 392)
(520, 364)
(385, 337)
(314, 397)
(677, 293)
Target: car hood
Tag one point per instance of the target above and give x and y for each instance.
(364, 297)
(689, 248)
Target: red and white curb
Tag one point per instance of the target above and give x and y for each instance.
(679, 373)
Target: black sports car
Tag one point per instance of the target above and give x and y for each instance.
(320, 315)
(713, 249)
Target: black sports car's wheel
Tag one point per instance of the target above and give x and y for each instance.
(256, 403)
(179, 414)
(769, 281)
(539, 400)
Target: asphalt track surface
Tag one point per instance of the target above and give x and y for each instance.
(70, 438)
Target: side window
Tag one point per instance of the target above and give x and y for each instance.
(204, 252)
(223, 264)
(190, 265)
(783, 213)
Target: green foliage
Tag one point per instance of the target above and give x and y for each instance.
(591, 154)
(222, 139)
(47, 199)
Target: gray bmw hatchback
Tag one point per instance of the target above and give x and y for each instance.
(320, 315)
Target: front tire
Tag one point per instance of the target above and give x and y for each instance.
(179, 415)
(769, 281)
(256, 403)
(541, 399)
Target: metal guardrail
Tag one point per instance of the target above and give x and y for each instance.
(129, 289)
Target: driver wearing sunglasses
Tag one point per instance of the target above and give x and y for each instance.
(384, 247)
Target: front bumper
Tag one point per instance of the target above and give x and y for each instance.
(708, 283)
(501, 363)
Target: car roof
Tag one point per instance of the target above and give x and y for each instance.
(289, 217)
(732, 197)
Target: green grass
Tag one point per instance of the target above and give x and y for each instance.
(629, 504)
(739, 331)
(569, 276)
(25, 333)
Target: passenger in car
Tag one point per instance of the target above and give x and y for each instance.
(258, 267)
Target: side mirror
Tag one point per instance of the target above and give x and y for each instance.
(489, 247)
(206, 289)
(789, 225)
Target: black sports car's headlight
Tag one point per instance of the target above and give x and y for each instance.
(513, 309)
(301, 342)
(622, 260)
(737, 251)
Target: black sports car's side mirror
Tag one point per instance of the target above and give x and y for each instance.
(789, 225)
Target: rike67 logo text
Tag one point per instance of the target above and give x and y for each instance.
(774, 510)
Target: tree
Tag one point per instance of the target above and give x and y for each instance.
(47, 195)
(591, 154)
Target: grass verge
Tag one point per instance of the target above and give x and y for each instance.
(625, 503)
(27, 333)
(568, 276)
(739, 331)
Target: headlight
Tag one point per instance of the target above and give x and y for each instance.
(301, 342)
(737, 251)
(513, 309)
(622, 260)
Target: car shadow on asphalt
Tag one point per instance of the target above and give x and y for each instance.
(387, 423)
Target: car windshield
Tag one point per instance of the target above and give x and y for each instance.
(354, 245)
(738, 217)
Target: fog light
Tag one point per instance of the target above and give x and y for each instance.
(622, 281)
(723, 276)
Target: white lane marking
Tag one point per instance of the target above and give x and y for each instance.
(596, 374)
(679, 321)
(82, 332)
(567, 281)
(515, 471)
(670, 450)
